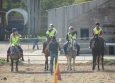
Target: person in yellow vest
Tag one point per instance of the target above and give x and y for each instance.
(71, 34)
(14, 40)
(49, 33)
(97, 30)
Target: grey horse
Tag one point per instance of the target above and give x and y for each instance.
(14, 55)
(72, 52)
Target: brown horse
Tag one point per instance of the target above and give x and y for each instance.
(97, 51)
(47, 53)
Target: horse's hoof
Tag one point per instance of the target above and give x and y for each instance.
(22, 59)
(98, 69)
(93, 69)
(11, 70)
(44, 69)
(7, 60)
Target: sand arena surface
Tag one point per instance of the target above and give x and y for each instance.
(106, 76)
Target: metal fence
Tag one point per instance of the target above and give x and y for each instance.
(27, 45)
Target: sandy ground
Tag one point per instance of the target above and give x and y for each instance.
(103, 76)
(106, 76)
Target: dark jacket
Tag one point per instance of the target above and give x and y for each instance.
(35, 40)
(53, 47)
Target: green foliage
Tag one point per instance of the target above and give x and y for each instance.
(10, 4)
(2, 60)
(45, 5)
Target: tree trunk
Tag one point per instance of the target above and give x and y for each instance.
(0, 5)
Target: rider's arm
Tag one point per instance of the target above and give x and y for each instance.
(100, 34)
(93, 32)
(55, 33)
(47, 33)
(19, 40)
(75, 32)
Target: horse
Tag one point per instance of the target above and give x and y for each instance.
(47, 53)
(14, 55)
(72, 52)
(97, 51)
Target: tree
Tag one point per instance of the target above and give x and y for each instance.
(45, 4)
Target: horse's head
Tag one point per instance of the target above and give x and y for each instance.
(95, 42)
(49, 39)
(72, 44)
(14, 50)
(96, 37)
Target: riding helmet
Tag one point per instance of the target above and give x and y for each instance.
(71, 27)
(97, 23)
(14, 30)
(51, 25)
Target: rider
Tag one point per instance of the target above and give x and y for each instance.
(49, 33)
(97, 30)
(14, 40)
(71, 34)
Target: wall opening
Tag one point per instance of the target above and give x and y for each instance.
(84, 33)
(111, 50)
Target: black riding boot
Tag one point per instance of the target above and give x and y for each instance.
(78, 49)
(65, 49)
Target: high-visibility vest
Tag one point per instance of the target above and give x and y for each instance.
(15, 39)
(71, 37)
(97, 31)
(52, 33)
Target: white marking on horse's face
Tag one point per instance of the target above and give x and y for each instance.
(12, 50)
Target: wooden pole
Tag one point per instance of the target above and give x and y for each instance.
(39, 16)
(36, 17)
(0, 5)
(32, 17)
(62, 72)
(28, 28)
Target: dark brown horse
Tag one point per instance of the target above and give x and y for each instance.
(97, 51)
(47, 53)
(14, 55)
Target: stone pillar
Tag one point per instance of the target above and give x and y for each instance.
(0, 5)
(34, 16)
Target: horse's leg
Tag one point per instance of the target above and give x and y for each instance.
(16, 65)
(47, 63)
(11, 65)
(70, 63)
(94, 61)
(67, 62)
(73, 63)
(98, 62)
(102, 62)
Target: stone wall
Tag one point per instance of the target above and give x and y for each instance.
(60, 17)
(104, 14)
